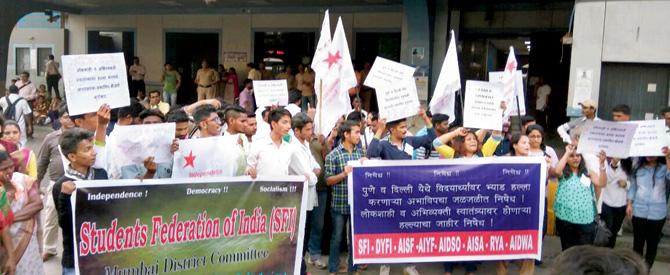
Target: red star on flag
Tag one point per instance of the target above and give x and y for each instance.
(511, 66)
(332, 58)
(190, 160)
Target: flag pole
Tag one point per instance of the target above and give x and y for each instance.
(518, 107)
(321, 106)
(460, 96)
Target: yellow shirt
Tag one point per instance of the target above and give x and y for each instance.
(488, 149)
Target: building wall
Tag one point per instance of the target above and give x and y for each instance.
(34, 31)
(33, 38)
(236, 31)
(616, 31)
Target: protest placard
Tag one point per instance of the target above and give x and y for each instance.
(208, 157)
(134, 143)
(398, 102)
(482, 105)
(271, 92)
(91, 80)
(387, 73)
(649, 138)
(511, 102)
(397, 95)
(447, 210)
(189, 226)
(613, 137)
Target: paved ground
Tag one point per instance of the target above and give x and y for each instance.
(551, 248)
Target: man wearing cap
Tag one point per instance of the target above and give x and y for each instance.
(589, 108)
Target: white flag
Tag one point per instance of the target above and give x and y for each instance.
(333, 99)
(509, 78)
(318, 61)
(449, 81)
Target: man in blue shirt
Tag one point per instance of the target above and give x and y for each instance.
(399, 146)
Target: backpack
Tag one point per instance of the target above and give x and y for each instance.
(10, 112)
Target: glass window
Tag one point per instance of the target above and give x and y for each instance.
(22, 60)
(42, 58)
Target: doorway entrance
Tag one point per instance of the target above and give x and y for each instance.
(280, 49)
(186, 51)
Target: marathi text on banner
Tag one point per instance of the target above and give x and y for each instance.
(219, 226)
(482, 209)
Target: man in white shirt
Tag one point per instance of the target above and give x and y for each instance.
(589, 108)
(294, 99)
(137, 73)
(22, 113)
(53, 76)
(543, 91)
(235, 138)
(273, 155)
(303, 129)
(26, 87)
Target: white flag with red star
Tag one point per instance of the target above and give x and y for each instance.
(509, 89)
(319, 65)
(333, 99)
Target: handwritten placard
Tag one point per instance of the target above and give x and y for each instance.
(397, 102)
(482, 105)
(271, 92)
(386, 73)
(649, 138)
(613, 137)
(94, 79)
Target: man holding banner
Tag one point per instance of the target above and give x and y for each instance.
(77, 146)
(398, 147)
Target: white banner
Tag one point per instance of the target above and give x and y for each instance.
(518, 82)
(204, 157)
(94, 79)
(482, 105)
(271, 92)
(613, 137)
(649, 138)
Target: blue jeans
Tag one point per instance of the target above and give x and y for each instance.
(68, 271)
(170, 98)
(318, 213)
(339, 228)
